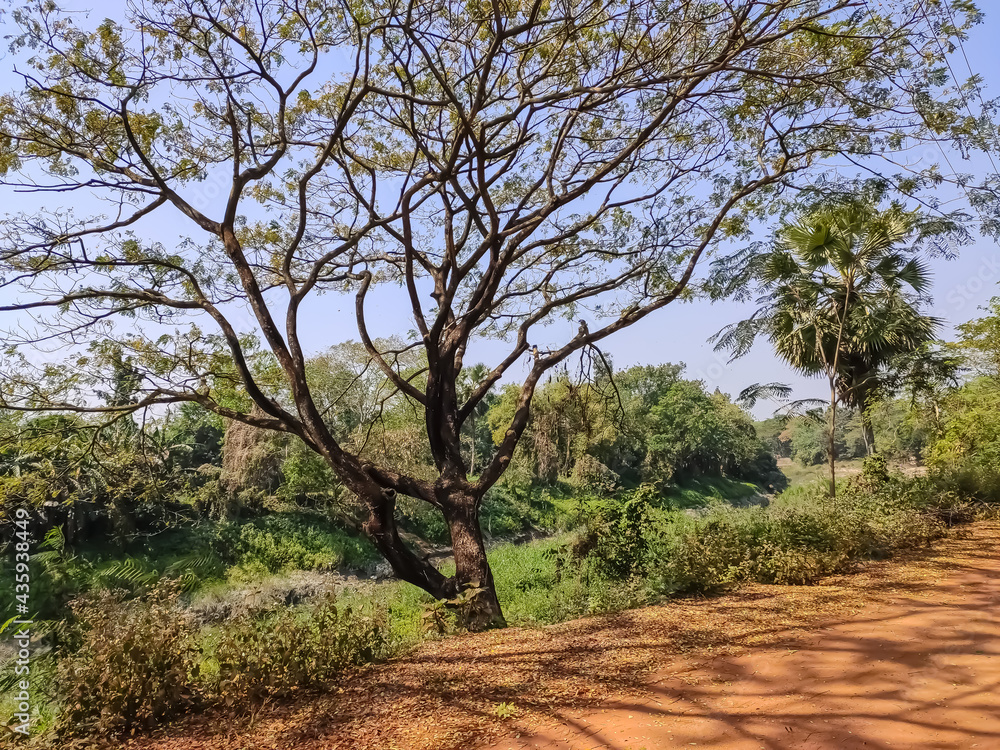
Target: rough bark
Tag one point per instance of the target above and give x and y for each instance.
(472, 570)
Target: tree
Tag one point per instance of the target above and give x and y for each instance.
(693, 433)
(979, 341)
(841, 298)
(517, 164)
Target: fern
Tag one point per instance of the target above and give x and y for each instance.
(130, 572)
(192, 569)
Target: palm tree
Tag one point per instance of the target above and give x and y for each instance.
(842, 295)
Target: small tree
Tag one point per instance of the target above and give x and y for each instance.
(489, 167)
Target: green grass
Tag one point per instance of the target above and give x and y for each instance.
(698, 493)
(799, 475)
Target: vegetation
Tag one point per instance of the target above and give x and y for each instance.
(518, 166)
(219, 515)
(841, 298)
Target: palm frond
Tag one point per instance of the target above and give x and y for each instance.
(749, 396)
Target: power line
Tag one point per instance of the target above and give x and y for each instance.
(972, 74)
(944, 55)
(947, 61)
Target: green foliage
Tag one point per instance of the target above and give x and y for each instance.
(979, 340)
(288, 541)
(797, 543)
(443, 616)
(424, 520)
(971, 431)
(841, 293)
(904, 429)
(193, 436)
(306, 476)
(875, 470)
(808, 437)
(647, 425)
(129, 663)
(617, 531)
(634, 549)
(277, 652)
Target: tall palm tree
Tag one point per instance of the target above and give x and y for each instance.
(842, 294)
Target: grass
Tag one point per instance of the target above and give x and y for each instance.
(698, 493)
(799, 475)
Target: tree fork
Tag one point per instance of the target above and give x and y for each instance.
(381, 528)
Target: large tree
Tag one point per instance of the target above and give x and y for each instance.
(492, 166)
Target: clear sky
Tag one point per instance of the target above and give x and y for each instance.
(679, 333)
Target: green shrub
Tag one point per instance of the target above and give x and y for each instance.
(127, 665)
(618, 529)
(801, 543)
(875, 470)
(286, 649)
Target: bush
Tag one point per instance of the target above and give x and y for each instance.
(617, 530)
(875, 470)
(797, 545)
(279, 543)
(286, 649)
(129, 663)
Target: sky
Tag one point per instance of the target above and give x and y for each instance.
(680, 332)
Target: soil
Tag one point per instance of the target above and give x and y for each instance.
(901, 654)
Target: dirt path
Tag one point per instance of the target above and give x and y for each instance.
(905, 654)
(920, 669)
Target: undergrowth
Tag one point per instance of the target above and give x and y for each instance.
(130, 658)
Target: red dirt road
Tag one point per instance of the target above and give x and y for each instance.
(919, 671)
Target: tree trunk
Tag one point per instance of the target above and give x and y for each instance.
(869, 432)
(382, 530)
(472, 569)
(477, 611)
(833, 439)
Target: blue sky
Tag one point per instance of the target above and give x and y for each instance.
(679, 333)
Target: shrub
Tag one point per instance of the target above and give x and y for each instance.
(618, 530)
(286, 649)
(797, 545)
(128, 665)
(875, 470)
